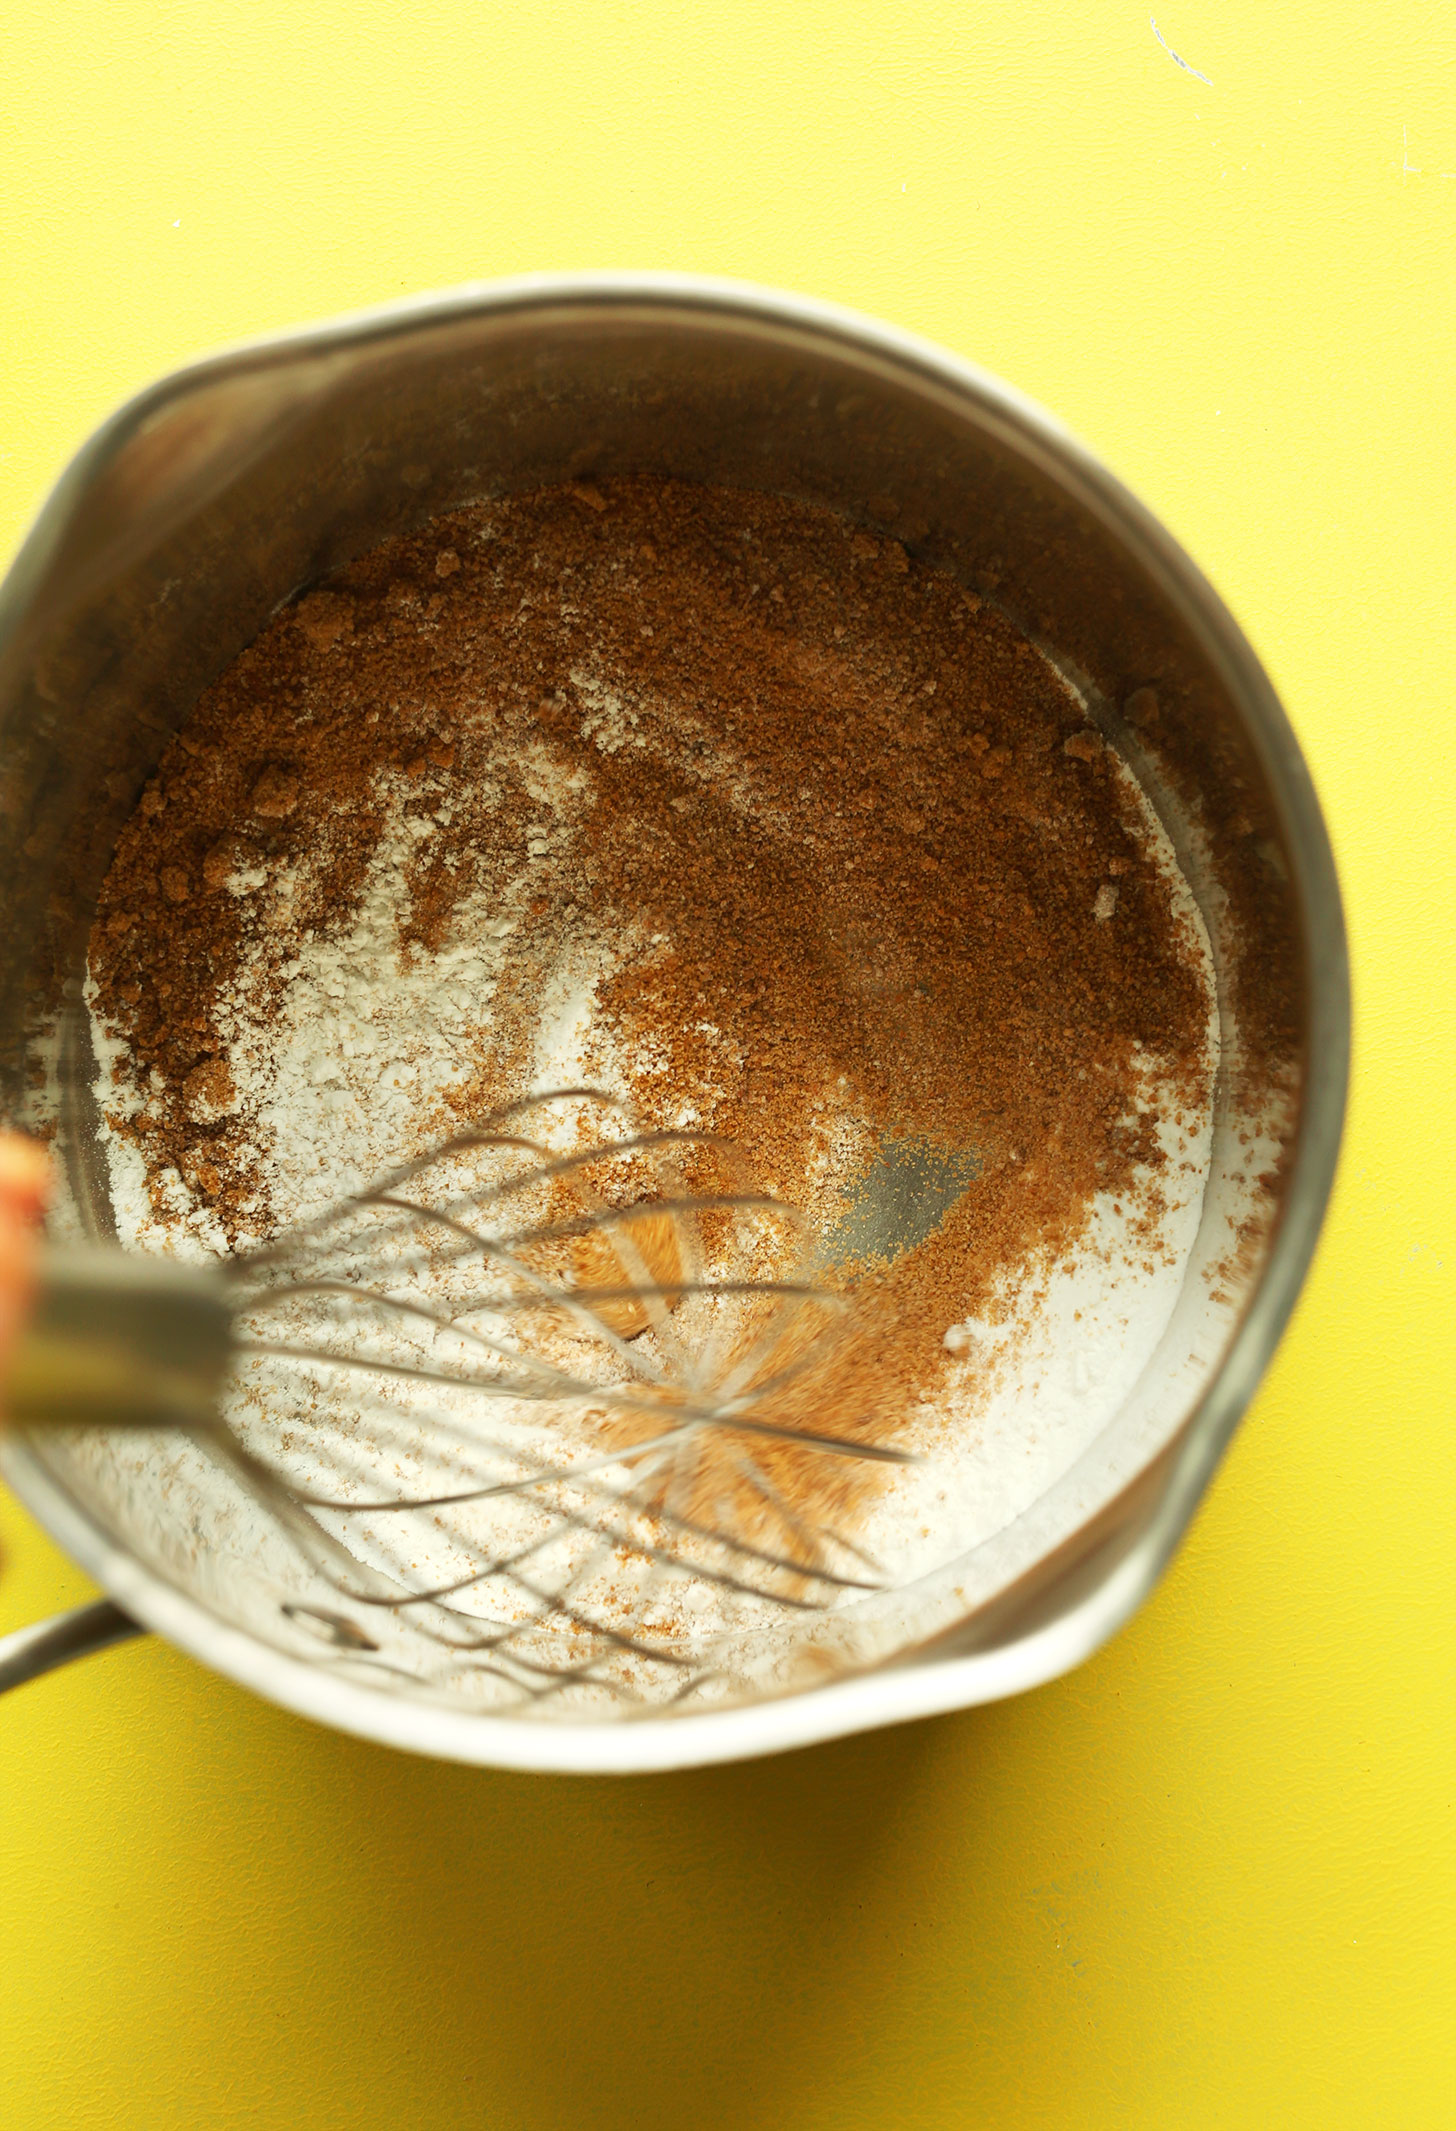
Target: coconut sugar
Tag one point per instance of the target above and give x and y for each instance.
(729, 807)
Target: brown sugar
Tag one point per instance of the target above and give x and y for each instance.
(837, 840)
(867, 822)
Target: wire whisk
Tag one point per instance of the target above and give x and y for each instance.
(558, 1402)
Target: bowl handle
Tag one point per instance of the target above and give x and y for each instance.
(46, 1644)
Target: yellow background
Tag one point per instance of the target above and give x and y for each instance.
(1208, 1880)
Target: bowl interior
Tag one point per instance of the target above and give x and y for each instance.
(222, 492)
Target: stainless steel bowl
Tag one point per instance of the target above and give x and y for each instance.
(220, 491)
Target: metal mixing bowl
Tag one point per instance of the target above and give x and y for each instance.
(220, 491)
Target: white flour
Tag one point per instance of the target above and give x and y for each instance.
(345, 1076)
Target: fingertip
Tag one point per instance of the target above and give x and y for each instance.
(25, 1176)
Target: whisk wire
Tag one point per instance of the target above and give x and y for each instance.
(697, 1340)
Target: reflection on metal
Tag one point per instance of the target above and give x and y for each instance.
(899, 1202)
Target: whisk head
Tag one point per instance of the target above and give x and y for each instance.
(562, 1401)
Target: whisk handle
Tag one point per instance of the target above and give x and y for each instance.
(119, 1340)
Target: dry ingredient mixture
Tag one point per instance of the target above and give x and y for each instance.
(704, 796)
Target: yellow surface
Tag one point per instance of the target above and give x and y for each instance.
(1208, 1881)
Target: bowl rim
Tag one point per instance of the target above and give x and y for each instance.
(908, 1689)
